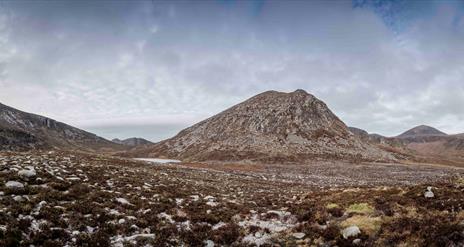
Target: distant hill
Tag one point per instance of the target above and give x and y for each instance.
(134, 141)
(421, 131)
(271, 126)
(429, 141)
(20, 130)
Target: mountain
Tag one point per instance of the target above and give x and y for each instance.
(134, 141)
(421, 131)
(428, 141)
(22, 130)
(271, 126)
(360, 133)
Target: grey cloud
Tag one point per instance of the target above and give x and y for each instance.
(94, 63)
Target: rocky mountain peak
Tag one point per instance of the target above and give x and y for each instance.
(269, 126)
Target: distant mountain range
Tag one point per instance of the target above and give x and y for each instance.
(22, 130)
(132, 142)
(422, 140)
(269, 127)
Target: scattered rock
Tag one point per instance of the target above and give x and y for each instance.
(298, 235)
(351, 231)
(27, 173)
(14, 185)
(123, 201)
(429, 193)
(357, 241)
(209, 243)
(18, 198)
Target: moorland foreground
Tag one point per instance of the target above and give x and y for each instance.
(76, 199)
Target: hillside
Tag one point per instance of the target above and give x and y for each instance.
(271, 126)
(22, 130)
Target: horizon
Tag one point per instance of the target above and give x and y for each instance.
(148, 69)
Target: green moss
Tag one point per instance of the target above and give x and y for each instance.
(332, 206)
(368, 225)
(360, 208)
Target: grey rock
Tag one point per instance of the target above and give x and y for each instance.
(351, 231)
(14, 185)
(429, 193)
(27, 173)
(298, 235)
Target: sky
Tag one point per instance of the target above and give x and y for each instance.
(151, 68)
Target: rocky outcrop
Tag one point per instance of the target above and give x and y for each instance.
(271, 126)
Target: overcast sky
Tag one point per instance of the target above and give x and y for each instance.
(151, 68)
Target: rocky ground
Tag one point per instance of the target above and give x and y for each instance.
(74, 199)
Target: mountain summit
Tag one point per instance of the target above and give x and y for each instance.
(270, 126)
(421, 131)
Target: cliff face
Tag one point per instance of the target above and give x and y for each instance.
(271, 126)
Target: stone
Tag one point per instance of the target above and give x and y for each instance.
(123, 201)
(27, 173)
(429, 193)
(357, 241)
(14, 185)
(298, 235)
(18, 198)
(209, 243)
(351, 231)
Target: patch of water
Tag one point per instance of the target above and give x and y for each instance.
(158, 161)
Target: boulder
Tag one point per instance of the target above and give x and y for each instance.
(27, 173)
(14, 185)
(351, 231)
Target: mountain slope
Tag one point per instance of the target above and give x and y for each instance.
(21, 129)
(431, 142)
(134, 141)
(421, 131)
(271, 126)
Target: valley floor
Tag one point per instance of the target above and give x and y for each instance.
(73, 199)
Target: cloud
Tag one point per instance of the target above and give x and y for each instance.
(117, 65)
